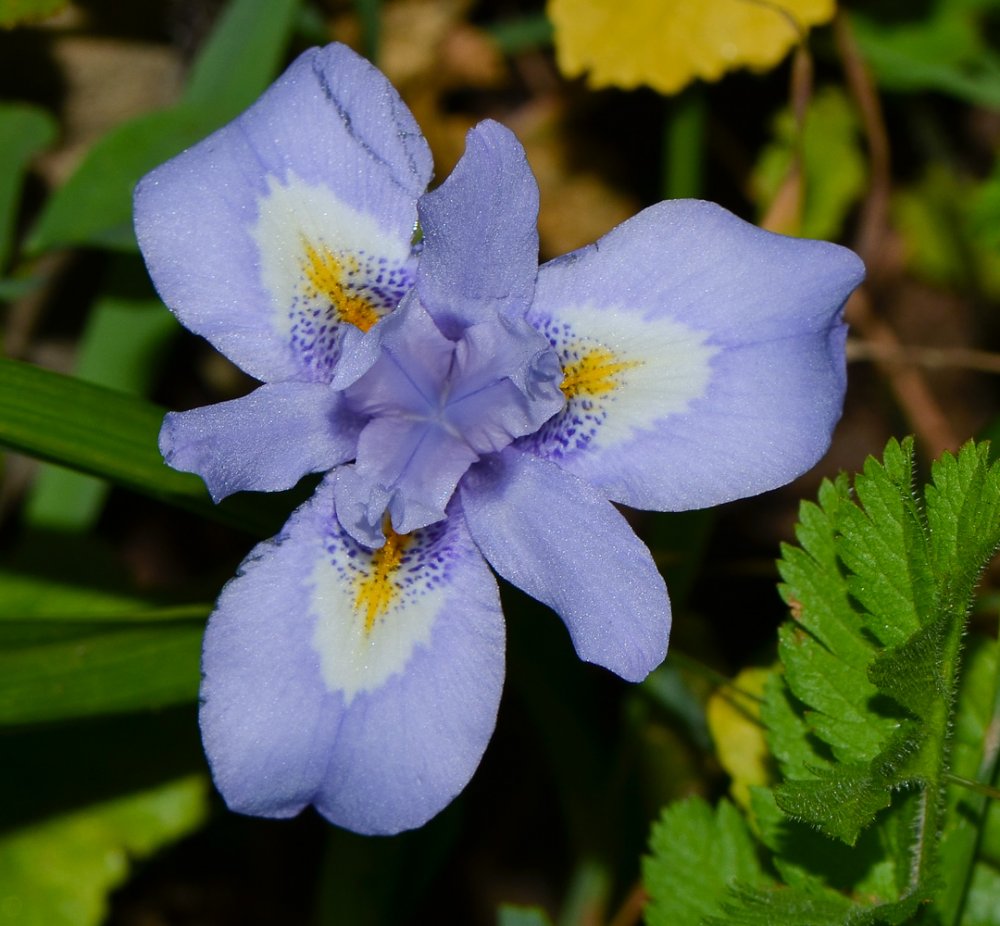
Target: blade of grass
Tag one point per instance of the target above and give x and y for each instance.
(114, 436)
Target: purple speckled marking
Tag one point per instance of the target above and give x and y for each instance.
(572, 429)
(426, 562)
(317, 332)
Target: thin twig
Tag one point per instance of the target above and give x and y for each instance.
(785, 212)
(907, 382)
(630, 912)
(785, 14)
(875, 208)
(931, 358)
(976, 786)
(923, 411)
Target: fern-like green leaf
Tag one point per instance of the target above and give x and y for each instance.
(697, 855)
(880, 592)
(873, 716)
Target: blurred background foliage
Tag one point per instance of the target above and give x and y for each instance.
(876, 124)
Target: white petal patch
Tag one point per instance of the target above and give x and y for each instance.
(622, 373)
(373, 608)
(325, 264)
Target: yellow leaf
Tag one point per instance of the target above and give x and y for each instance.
(668, 43)
(733, 714)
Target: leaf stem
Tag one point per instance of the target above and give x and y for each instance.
(978, 787)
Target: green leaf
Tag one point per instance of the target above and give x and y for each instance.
(984, 898)
(806, 903)
(24, 131)
(37, 598)
(689, 884)
(121, 348)
(240, 58)
(667, 687)
(522, 33)
(975, 756)
(369, 13)
(909, 578)
(94, 207)
(58, 670)
(59, 872)
(871, 718)
(963, 511)
(697, 855)
(16, 289)
(945, 52)
(705, 870)
(883, 545)
(841, 802)
(811, 904)
(833, 165)
(113, 436)
(588, 890)
(868, 869)
(826, 651)
(55, 576)
(510, 915)
(18, 12)
(950, 226)
(355, 870)
(984, 211)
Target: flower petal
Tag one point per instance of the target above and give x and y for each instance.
(364, 683)
(510, 354)
(703, 358)
(292, 222)
(480, 252)
(554, 537)
(406, 468)
(265, 441)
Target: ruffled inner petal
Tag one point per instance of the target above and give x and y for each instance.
(406, 469)
(435, 406)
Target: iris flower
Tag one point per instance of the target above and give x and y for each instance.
(472, 413)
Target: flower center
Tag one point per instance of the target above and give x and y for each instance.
(434, 406)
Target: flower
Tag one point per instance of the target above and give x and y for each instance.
(468, 408)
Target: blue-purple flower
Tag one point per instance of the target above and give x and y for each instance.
(471, 411)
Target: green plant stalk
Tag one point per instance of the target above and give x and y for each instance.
(964, 847)
(684, 145)
(370, 14)
(932, 801)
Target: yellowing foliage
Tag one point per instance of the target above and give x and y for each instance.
(733, 715)
(668, 43)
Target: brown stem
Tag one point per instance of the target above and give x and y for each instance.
(924, 413)
(907, 382)
(931, 358)
(630, 912)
